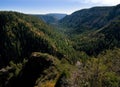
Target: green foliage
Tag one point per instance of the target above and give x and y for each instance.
(22, 34)
(111, 80)
(89, 19)
(94, 42)
(63, 79)
(10, 72)
(34, 53)
(102, 71)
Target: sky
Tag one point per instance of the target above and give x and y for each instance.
(52, 6)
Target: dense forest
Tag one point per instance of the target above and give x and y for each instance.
(79, 50)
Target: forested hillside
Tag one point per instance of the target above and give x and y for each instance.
(96, 33)
(94, 30)
(21, 35)
(82, 50)
(99, 40)
(93, 18)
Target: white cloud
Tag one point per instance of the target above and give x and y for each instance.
(105, 2)
(99, 2)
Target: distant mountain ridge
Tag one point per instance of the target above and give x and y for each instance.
(93, 18)
(51, 18)
(57, 15)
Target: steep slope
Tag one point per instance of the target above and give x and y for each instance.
(97, 41)
(22, 34)
(93, 18)
(31, 52)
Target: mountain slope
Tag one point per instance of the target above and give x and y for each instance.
(22, 34)
(99, 40)
(31, 52)
(34, 54)
(93, 18)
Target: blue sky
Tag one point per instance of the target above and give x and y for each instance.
(52, 6)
